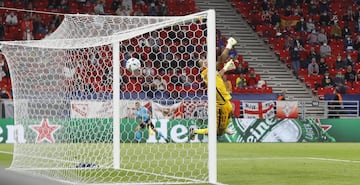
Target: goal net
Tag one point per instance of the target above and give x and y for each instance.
(75, 101)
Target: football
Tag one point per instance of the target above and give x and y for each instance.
(133, 64)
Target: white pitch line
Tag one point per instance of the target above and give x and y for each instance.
(288, 158)
(333, 160)
(5, 152)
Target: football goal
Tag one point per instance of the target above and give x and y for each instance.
(85, 118)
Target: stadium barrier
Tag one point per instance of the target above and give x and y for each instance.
(246, 130)
(258, 109)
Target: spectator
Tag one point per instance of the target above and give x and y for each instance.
(301, 25)
(114, 5)
(327, 81)
(310, 26)
(356, 42)
(350, 74)
(335, 31)
(288, 11)
(298, 43)
(313, 54)
(160, 84)
(349, 61)
(152, 10)
(325, 50)
(289, 43)
(120, 11)
(324, 19)
(148, 70)
(312, 38)
(11, 19)
(346, 32)
(266, 18)
(295, 61)
(348, 15)
(348, 44)
(127, 4)
(99, 7)
(154, 41)
(275, 18)
(138, 12)
(313, 68)
(339, 64)
(339, 79)
(243, 68)
(312, 8)
(357, 25)
(281, 96)
(2, 30)
(148, 86)
(163, 9)
(298, 11)
(64, 6)
(336, 105)
(324, 6)
(252, 80)
(241, 81)
(5, 94)
(322, 37)
(323, 67)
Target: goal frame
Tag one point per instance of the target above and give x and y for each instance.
(211, 95)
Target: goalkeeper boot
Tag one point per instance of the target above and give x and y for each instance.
(192, 133)
(231, 42)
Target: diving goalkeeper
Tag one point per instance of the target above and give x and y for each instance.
(224, 108)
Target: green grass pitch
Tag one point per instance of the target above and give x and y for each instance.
(278, 163)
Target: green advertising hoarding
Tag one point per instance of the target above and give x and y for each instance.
(246, 130)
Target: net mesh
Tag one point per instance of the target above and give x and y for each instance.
(63, 100)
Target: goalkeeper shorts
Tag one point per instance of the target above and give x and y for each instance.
(224, 113)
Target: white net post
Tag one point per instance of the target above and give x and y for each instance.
(211, 38)
(75, 100)
(116, 103)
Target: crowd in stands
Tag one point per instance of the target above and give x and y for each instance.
(155, 78)
(318, 39)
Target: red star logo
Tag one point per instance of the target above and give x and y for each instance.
(45, 131)
(324, 127)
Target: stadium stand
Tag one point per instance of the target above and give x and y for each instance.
(285, 24)
(46, 20)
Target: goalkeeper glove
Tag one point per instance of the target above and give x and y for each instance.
(231, 42)
(229, 65)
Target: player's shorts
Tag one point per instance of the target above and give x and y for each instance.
(224, 113)
(145, 124)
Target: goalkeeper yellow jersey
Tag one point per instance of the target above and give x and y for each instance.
(222, 95)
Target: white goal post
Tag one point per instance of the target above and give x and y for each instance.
(77, 103)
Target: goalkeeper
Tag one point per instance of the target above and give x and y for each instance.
(142, 114)
(224, 108)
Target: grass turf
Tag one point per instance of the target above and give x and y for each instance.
(278, 163)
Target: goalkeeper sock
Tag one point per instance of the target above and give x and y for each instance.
(138, 136)
(201, 131)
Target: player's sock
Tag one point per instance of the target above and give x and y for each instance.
(138, 136)
(231, 42)
(201, 131)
